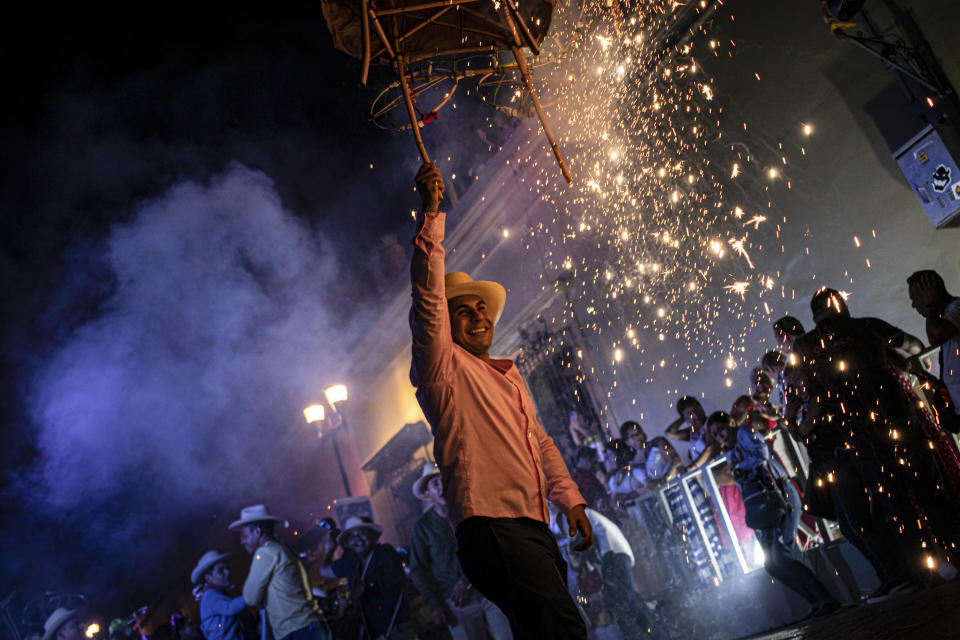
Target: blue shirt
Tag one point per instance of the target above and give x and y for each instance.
(753, 452)
(218, 615)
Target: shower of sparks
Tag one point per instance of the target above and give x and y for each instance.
(641, 236)
(737, 246)
(738, 287)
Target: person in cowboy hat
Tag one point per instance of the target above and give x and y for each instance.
(277, 580)
(436, 572)
(498, 466)
(63, 624)
(376, 578)
(218, 612)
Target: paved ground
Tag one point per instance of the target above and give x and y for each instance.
(929, 614)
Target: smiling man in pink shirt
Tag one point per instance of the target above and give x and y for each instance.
(497, 465)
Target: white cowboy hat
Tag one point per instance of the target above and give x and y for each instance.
(458, 283)
(256, 513)
(57, 619)
(420, 484)
(357, 522)
(207, 560)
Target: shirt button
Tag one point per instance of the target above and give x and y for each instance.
(529, 434)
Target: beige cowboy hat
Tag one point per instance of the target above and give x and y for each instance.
(207, 560)
(458, 283)
(420, 484)
(57, 619)
(357, 522)
(256, 513)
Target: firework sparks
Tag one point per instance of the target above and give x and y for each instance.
(737, 245)
(737, 287)
(647, 227)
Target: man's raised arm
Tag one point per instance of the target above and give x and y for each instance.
(429, 318)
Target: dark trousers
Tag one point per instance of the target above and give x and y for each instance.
(862, 521)
(779, 544)
(313, 631)
(516, 564)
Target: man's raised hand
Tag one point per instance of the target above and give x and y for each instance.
(430, 185)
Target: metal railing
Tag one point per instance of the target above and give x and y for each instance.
(793, 458)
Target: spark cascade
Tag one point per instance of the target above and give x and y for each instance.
(663, 230)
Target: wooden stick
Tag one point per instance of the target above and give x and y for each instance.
(480, 16)
(528, 82)
(383, 36)
(402, 72)
(524, 29)
(365, 61)
(450, 52)
(435, 20)
(428, 5)
(417, 28)
(466, 73)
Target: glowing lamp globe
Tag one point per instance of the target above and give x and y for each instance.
(336, 393)
(313, 413)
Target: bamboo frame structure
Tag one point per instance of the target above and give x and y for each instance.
(514, 34)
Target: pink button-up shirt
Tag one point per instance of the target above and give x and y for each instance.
(495, 459)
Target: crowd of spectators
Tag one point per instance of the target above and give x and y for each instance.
(857, 398)
(844, 424)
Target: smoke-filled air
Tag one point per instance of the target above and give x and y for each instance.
(216, 331)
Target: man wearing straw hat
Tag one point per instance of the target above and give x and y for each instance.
(376, 578)
(498, 466)
(218, 612)
(277, 581)
(435, 570)
(63, 624)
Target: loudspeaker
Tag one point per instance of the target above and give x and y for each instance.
(929, 162)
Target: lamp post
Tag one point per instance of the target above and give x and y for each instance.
(316, 413)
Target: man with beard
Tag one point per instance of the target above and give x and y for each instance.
(498, 467)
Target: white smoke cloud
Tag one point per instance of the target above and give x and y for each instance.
(221, 324)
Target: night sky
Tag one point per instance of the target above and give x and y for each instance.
(107, 107)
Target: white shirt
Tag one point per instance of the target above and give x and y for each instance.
(629, 482)
(608, 535)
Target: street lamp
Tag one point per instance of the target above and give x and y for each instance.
(336, 393)
(314, 413)
(317, 413)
